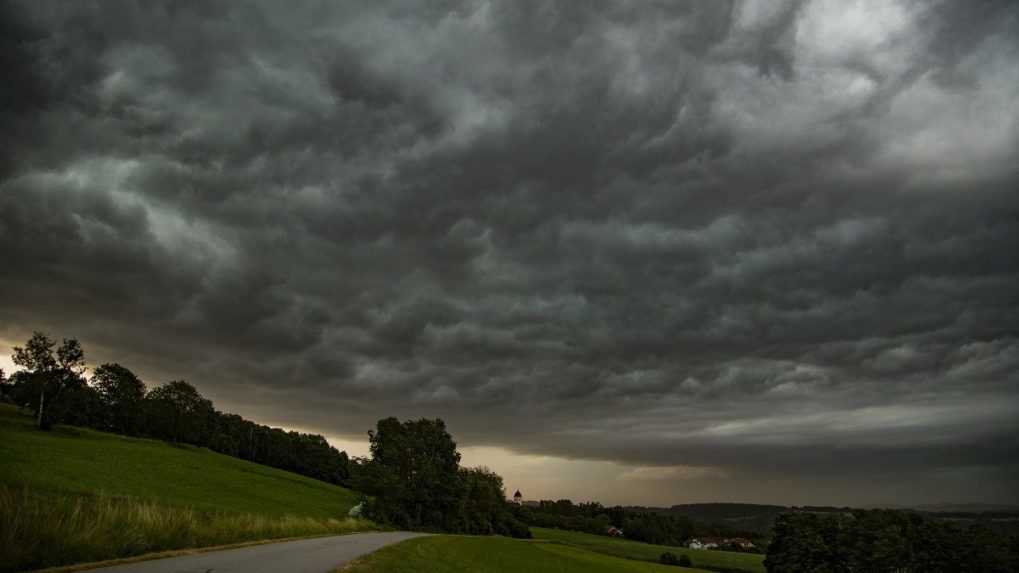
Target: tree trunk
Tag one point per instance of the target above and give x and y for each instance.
(42, 404)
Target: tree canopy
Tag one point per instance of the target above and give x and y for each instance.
(885, 541)
(415, 481)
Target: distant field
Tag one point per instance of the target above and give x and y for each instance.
(727, 560)
(76, 460)
(455, 554)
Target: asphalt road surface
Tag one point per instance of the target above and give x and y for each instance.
(319, 555)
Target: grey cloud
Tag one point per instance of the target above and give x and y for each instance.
(758, 237)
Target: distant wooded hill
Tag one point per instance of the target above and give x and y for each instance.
(760, 518)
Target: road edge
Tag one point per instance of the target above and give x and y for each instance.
(186, 551)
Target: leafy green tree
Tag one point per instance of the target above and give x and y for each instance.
(413, 474)
(52, 381)
(180, 413)
(122, 395)
(484, 510)
(800, 545)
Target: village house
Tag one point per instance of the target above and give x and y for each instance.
(716, 542)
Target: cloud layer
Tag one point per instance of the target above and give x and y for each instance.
(773, 240)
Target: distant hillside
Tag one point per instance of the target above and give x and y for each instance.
(968, 508)
(738, 516)
(76, 460)
(759, 518)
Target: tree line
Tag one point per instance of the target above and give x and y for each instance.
(53, 385)
(886, 541)
(638, 525)
(413, 478)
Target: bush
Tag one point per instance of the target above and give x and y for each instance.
(668, 558)
(512, 527)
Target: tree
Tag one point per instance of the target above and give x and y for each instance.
(122, 395)
(484, 510)
(799, 545)
(413, 474)
(49, 377)
(180, 412)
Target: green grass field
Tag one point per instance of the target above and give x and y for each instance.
(717, 560)
(44, 530)
(77, 460)
(456, 554)
(74, 495)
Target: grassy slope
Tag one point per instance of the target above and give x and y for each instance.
(454, 554)
(39, 531)
(75, 460)
(729, 560)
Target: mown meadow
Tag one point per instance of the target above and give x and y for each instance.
(456, 554)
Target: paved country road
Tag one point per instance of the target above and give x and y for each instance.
(319, 555)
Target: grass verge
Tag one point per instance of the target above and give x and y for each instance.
(47, 530)
(712, 560)
(459, 554)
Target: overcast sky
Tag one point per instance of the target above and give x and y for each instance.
(641, 252)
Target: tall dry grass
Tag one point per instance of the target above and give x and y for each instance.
(44, 530)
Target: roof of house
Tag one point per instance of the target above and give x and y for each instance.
(517, 494)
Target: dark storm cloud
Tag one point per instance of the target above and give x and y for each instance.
(768, 238)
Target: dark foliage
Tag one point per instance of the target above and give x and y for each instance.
(52, 384)
(668, 559)
(885, 541)
(415, 481)
(564, 514)
(122, 396)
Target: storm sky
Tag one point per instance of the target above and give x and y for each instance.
(639, 252)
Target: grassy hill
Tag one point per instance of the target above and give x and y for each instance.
(456, 554)
(73, 495)
(716, 560)
(78, 460)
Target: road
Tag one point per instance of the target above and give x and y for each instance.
(319, 555)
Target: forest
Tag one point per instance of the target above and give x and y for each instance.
(886, 540)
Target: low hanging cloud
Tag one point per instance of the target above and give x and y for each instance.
(766, 239)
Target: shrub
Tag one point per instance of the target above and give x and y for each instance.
(513, 527)
(684, 561)
(668, 559)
